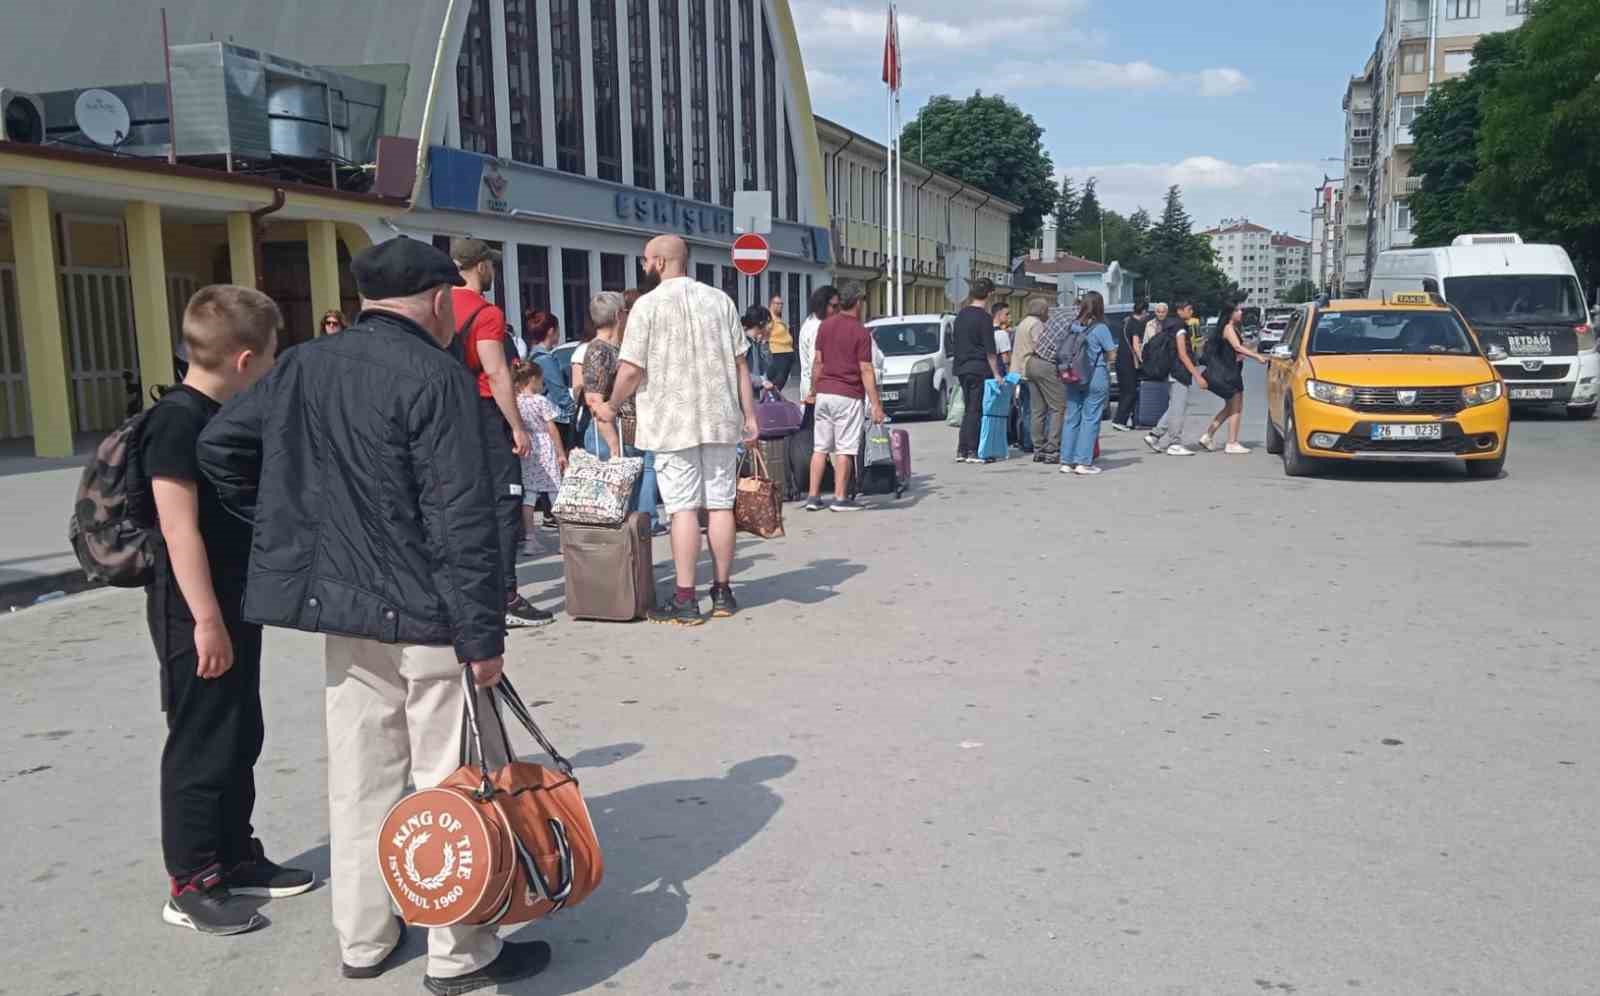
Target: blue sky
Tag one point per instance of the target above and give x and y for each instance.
(1238, 102)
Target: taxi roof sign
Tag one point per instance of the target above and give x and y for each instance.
(1408, 297)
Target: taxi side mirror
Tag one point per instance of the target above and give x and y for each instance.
(1496, 353)
(1281, 352)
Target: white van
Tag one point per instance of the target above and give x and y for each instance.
(1524, 302)
(916, 376)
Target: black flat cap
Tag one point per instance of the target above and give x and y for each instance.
(401, 267)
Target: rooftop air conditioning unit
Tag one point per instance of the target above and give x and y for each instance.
(1500, 239)
(21, 117)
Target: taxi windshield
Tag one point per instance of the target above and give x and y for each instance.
(1406, 333)
(907, 339)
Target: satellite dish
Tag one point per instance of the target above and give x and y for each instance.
(1114, 280)
(102, 117)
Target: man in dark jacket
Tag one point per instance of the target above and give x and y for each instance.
(361, 461)
(976, 362)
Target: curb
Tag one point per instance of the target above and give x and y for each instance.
(20, 594)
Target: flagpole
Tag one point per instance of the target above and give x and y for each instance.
(900, 213)
(888, 206)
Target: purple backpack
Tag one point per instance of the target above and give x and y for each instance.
(777, 418)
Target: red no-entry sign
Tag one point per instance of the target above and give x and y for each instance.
(750, 254)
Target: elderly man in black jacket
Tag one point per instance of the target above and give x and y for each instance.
(361, 460)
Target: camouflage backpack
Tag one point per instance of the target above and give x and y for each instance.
(113, 526)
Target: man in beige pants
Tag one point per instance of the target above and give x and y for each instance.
(361, 460)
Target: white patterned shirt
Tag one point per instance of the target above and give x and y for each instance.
(686, 337)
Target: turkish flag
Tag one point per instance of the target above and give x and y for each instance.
(891, 52)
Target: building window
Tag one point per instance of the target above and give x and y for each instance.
(706, 274)
(795, 302)
(644, 131)
(671, 99)
(1413, 59)
(747, 91)
(533, 276)
(699, 104)
(575, 291)
(791, 207)
(1406, 107)
(613, 272)
(566, 58)
(769, 96)
(607, 99)
(1402, 216)
(730, 285)
(1516, 7)
(1456, 10)
(724, 50)
(522, 80)
(475, 82)
(1457, 60)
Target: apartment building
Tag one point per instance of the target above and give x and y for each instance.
(1324, 223)
(1264, 264)
(1423, 42)
(1291, 265)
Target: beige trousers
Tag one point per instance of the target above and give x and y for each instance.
(394, 721)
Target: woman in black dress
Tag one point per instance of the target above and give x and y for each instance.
(1224, 369)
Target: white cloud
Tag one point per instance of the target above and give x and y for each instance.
(1268, 193)
(1223, 82)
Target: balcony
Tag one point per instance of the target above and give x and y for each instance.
(1408, 30)
(1360, 162)
(1413, 184)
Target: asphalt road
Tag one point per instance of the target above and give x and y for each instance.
(1189, 727)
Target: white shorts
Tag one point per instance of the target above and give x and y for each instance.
(703, 477)
(839, 422)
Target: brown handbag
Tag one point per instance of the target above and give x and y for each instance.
(758, 503)
(501, 847)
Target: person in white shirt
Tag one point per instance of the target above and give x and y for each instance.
(824, 302)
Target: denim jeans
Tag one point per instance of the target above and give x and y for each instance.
(1085, 405)
(645, 497)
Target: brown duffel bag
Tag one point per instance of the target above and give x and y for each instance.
(501, 847)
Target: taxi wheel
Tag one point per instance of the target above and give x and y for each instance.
(1274, 438)
(1487, 470)
(1295, 463)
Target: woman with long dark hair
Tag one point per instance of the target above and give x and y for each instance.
(1086, 401)
(1224, 368)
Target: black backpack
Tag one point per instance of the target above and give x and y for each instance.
(1160, 353)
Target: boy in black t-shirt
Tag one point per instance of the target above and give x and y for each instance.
(210, 657)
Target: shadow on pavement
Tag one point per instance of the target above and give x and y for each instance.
(656, 838)
(809, 585)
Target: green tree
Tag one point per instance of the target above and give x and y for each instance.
(1539, 143)
(1301, 292)
(1446, 153)
(1089, 205)
(1180, 264)
(992, 144)
(1066, 211)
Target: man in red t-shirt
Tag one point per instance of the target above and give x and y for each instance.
(842, 380)
(482, 326)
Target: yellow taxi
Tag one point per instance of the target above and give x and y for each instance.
(1399, 379)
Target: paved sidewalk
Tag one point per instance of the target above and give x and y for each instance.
(34, 555)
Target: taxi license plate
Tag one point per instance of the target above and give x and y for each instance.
(1408, 432)
(890, 395)
(1533, 394)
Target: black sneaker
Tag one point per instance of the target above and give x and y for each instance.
(723, 605)
(383, 964)
(205, 905)
(516, 961)
(522, 614)
(814, 504)
(260, 876)
(676, 613)
(847, 505)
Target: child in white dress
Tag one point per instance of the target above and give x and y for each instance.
(546, 462)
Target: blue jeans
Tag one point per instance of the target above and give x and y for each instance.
(645, 497)
(1085, 405)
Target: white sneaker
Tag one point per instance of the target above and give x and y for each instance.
(1068, 468)
(1118, 426)
(1205, 442)
(1236, 449)
(1087, 470)
(1151, 441)
(1178, 449)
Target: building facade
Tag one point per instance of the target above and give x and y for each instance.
(1264, 264)
(951, 233)
(1422, 43)
(1291, 266)
(566, 132)
(1324, 222)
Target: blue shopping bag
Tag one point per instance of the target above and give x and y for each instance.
(997, 397)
